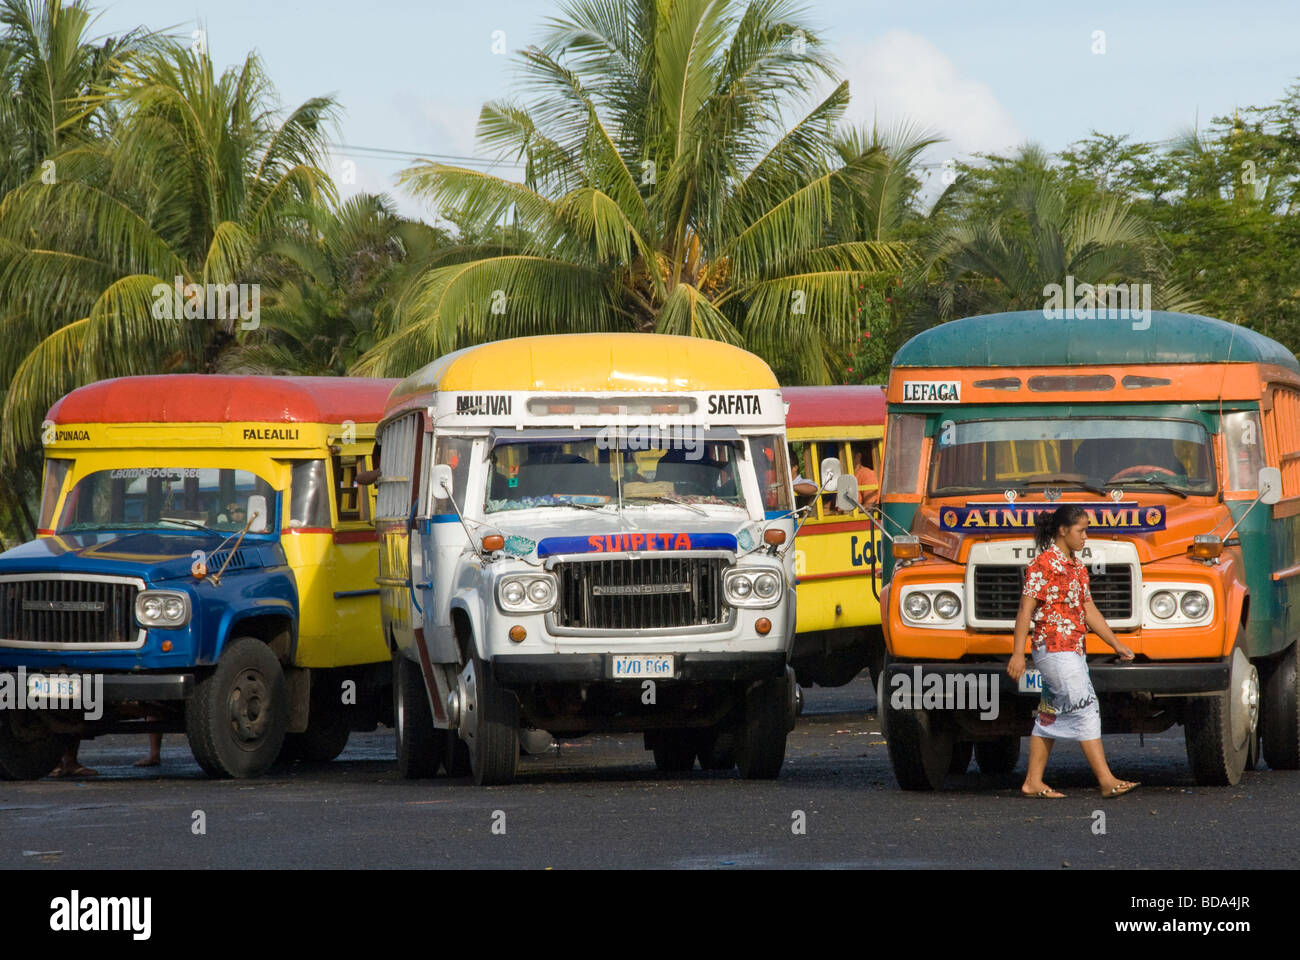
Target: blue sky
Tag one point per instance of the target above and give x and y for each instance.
(989, 75)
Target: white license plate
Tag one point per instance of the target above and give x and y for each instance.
(57, 688)
(644, 667)
(1031, 681)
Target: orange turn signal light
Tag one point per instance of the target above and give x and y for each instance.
(774, 538)
(493, 542)
(906, 548)
(166, 646)
(1205, 546)
(763, 625)
(517, 634)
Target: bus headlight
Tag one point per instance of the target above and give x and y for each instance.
(1162, 605)
(1194, 604)
(947, 604)
(750, 587)
(917, 606)
(527, 593)
(168, 609)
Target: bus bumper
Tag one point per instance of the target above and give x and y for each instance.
(521, 670)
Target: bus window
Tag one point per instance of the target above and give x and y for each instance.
(454, 452)
(351, 502)
(1243, 444)
(866, 466)
(768, 456)
(904, 437)
(309, 496)
(56, 471)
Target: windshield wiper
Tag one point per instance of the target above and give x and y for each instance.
(1158, 483)
(664, 498)
(574, 503)
(1063, 481)
(190, 523)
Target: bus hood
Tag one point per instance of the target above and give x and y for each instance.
(663, 527)
(153, 556)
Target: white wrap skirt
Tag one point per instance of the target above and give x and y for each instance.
(1068, 709)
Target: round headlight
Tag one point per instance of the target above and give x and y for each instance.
(766, 585)
(539, 591)
(741, 587)
(917, 606)
(947, 605)
(173, 609)
(1162, 604)
(1194, 604)
(152, 607)
(513, 593)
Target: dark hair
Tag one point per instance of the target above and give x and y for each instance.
(1047, 525)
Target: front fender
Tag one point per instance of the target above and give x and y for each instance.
(470, 602)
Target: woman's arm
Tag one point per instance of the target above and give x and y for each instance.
(1016, 665)
(1097, 624)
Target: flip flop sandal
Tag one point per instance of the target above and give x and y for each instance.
(1118, 791)
(81, 771)
(1045, 794)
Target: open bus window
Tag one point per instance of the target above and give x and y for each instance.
(161, 498)
(989, 455)
(594, 472)
(351, 501)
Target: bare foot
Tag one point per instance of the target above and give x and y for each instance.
(154, 761)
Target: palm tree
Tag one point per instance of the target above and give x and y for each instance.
(662, 191)
(199, 176)
(321, 316)
(1004, 256)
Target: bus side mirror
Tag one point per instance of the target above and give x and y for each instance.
(830, 470)
(1270, 485)
(257, 514)
(846, 493)
(441, 482)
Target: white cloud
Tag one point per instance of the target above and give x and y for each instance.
(902, 77)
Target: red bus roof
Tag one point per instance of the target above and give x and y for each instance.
(834, 406)
(218, 398)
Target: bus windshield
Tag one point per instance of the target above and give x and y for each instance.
(163, 497)
(594, 471)
(985, 455)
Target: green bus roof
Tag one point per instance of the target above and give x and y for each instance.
(1028, 339)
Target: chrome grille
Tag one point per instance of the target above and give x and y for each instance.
(61, 612)
(998, 589)
(646, 593)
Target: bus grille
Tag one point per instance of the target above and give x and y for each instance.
(648, 593)
(57, 612)
(998, 589)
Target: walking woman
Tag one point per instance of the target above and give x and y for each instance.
(1057, 606)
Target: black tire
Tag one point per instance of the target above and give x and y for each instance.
(28, 750)
(674, 750)
(237, 718)
(920, 744)
(492, 734)
(327, 733)
(718, 747)
(961, 754)
(456, 761)
(420, 745)
(998, 756)
(1218, 730)
(768, 720)
(1280, 718)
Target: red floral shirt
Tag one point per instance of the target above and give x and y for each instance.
(1060, 585)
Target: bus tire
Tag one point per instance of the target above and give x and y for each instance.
(489, 725)
(674, 750)
(326, 736)
(998, 756)
(28, 750)
(1280, 719)
(718, 747)
(920, 745)
(769, 716)
(420, 745)
(456, 762)
(237, 718)
(1218, 730)
(961, 754)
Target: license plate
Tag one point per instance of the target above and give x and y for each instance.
(1031, 681)
(644, 667)
(56, 688)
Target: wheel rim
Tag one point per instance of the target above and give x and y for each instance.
(467, 685)
(1245, 699)
(249, 705)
